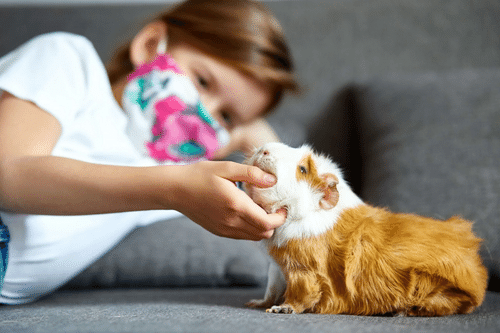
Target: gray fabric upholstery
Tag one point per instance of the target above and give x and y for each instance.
(176, 253)
(335, 42)
(213, 310)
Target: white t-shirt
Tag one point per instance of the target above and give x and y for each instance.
(63, 74)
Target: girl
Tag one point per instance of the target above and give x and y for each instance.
(84, 159)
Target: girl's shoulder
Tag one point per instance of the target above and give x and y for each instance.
(59, 43)
(60, 38)
(57, 71)
(53, 50)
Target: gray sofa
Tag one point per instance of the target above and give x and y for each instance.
(405, 95)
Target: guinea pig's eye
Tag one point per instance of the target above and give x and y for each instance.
(302, 169)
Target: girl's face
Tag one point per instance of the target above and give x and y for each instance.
(232, 98)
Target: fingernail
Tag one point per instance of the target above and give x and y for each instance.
(270, 178)
(282, 211)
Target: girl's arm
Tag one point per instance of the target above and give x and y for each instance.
(34, 182)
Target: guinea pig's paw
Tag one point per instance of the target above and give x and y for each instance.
(259, 303)
(399, 314)
(283, 308)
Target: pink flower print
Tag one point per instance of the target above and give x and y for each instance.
(164, 109)
(162, 62)
(179, 129)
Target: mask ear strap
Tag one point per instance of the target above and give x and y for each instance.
(161, 48)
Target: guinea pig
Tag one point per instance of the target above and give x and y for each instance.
(336, 254)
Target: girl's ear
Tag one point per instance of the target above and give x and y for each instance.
(150, 41)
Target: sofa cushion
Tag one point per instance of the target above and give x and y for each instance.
(430, 144)
(176, 253)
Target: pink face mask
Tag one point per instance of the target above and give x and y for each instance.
(167, 120)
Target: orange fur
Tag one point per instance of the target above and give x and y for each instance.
(374, 261)
(308, 172)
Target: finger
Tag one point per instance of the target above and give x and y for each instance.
(276, 220)
(236, 172)
(265, 231)
(283, 211)
(249, 231)
(257, 223)
(256, 234)
(263, 223)
(240, 233)
(260, 178)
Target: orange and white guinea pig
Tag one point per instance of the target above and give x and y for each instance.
(335, 254)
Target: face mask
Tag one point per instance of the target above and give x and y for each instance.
(167, 120)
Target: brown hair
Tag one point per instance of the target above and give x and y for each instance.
(240, 33)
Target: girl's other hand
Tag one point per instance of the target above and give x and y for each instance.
(246, 138)
(206, 193)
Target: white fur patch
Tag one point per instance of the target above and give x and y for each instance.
(305, 217)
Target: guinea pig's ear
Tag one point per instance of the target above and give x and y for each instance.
(330, 192)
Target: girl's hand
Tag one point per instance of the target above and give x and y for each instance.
(247, 137)
(256, 134)
(206, 193)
